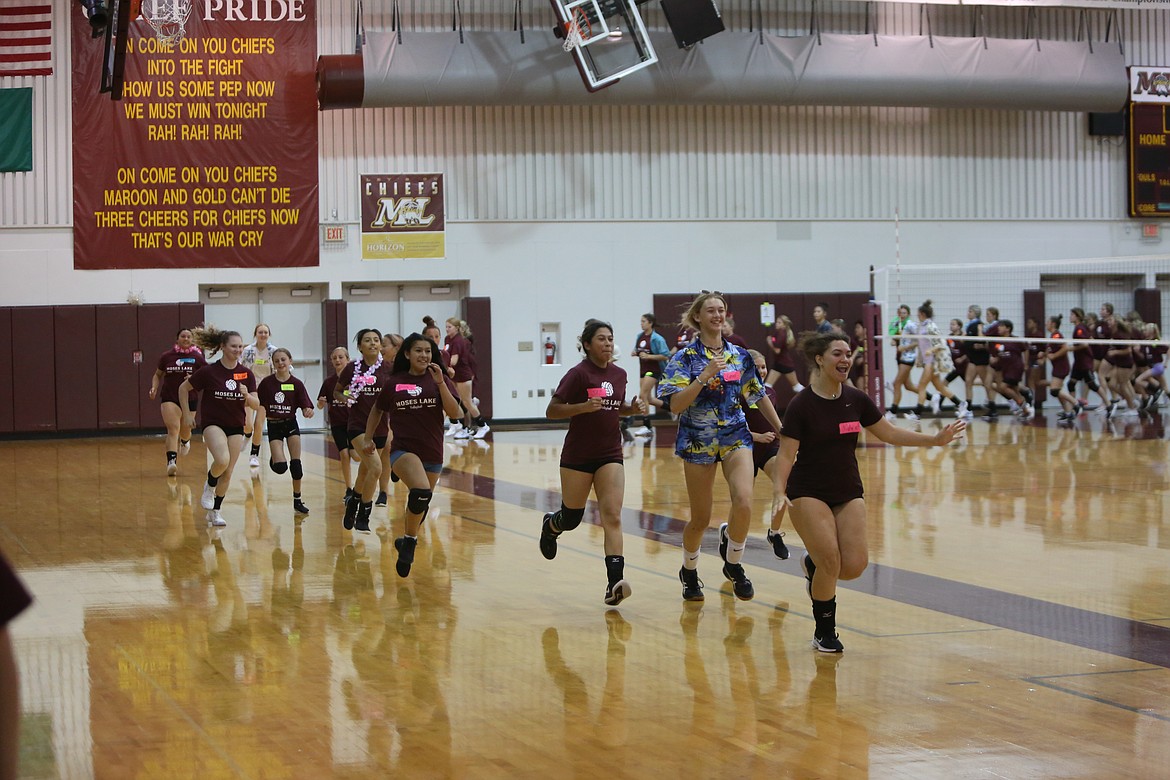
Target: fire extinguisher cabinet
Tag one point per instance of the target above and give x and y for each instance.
(550, 345)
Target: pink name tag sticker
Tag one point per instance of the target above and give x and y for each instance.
(405, 388)
(595, 392)
(850, 427)
(730, 376)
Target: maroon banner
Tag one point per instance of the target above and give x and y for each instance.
(210, 158)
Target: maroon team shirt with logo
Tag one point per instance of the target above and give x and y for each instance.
(221, 393)
(464, 368)
(365, 396)
(1011, 360)
(1082, 358)
(1060, 364)
(337, 411)
(593, 436)
(757, 423)
(414, 408)
(282, 399)
(826, 462)
(781, 352)
(177, 366)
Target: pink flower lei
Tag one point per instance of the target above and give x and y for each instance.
(361, 379)
(193, 349)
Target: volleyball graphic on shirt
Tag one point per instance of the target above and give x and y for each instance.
(279, 397)
(230, 384)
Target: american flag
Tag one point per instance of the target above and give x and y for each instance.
(26, 38)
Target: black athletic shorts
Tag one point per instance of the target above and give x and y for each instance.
(340, 436)
(592, 466)
(279, 430)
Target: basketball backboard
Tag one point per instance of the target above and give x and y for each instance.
(608, 39)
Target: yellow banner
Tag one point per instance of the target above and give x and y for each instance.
(398, 246)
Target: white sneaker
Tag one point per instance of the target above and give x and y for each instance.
(454, 430)
(1028, 412)
(891, 416)
(475, 401)
(463, 433)
(935, 403)
(254, 461)
(642, 431)
(207, 500)
(909, 416)
(482, 431)
(214, 518)
(962, 411)
(172, 468)
(1015, 407)
(184, 447)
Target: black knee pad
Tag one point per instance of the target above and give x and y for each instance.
(279, 468)
(294, 468)
(1072, 386)
(570, 518)
(418, 501)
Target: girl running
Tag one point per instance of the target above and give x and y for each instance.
(338, 416)
(707, 384)
(652, 353)
(281, 395)
(175, 365)
(591, 396)
(820, 479)
(765, 447)
(781, 342)
(257, 357)
(1056, 355)
(227, 388)
(415, 397)
(359, 386)
(461, 358)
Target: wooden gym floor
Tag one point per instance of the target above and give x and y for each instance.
(1015, 621)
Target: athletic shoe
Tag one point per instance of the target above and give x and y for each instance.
(254, 461)
(1013, 406)
(381, 498)
(207, 500)
(616, 592)
(1110, 409)
(692, 585)
(453, 429)
(405, 547)
(475, 401)
(963, 412)
(299, 507)
(991, 416)
(362, 521)
(627, 437)
(891, 416)
(482, 431)
(184, 447)
(172, 468)
(548, 539)
(809, 570)
(1081, 407)
(909, 416)
(642, 430)
(352, 505)
(348, 493)
(464, 433)
(827, 644)
(935, 403)
(214, 518)
(740, 583)
(779, 548)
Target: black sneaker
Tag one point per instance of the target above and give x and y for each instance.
(779, 548)
(381, 498)
(405, 547)
(352, 505)
(348, 493)
(809, 570)
(616, 592)
(827, 644)
(299, 507)
(740, 583)
(362, 521)
(692, 585)
(548, 538)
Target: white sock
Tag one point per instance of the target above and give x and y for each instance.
(690, 559)
(735, 550)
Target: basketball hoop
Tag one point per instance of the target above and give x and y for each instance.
(577, 30)
(168, 18)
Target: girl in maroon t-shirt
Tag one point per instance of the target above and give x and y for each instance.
(591, 396)
(1152, 381)
(338, 416)
(765, 448)
(823, 485)
(175, 365)
(415, 398)
(1056, 355)
(281, 395)
(781, 343)
(358, 386)
(461, 358)
(1082, 361)
(227, 388)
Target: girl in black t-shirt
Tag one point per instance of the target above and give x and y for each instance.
(281, 395)
(823, 486)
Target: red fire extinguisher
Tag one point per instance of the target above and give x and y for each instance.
(550, 351)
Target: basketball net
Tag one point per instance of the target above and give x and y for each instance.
(168, 18)
(575, 30)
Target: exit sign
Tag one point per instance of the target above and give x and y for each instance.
(335, 234)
